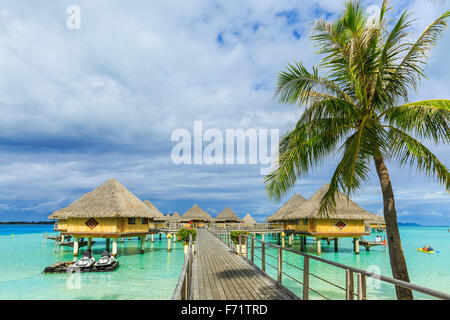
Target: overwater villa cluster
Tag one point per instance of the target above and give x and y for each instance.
(302, 217)
(112, 212)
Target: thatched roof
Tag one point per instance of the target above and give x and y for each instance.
(376, 219)
(109, 200)
(291, 205)
(248, 219)
(196, 213)
(227, 215)
(175, 217)
(160, 215)
(345, 208)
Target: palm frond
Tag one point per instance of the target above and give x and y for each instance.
(302, 149)
(425, 119)
(409, 151)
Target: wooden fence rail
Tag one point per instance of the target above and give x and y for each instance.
(251, 246)
(183, 290)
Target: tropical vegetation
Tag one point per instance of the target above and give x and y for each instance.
(357, 107)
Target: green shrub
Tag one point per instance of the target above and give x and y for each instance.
(183, 235)
(234, 236)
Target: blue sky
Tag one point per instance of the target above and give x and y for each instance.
(81, 106)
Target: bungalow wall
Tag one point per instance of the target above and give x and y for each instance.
(108, 225)
(327, 226)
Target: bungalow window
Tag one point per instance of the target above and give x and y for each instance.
(131, 220)
(305, 222)
(144, 220)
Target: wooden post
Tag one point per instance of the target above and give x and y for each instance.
(253, 250)
(123, 239)
(75, 247)
(357, 246)
(305, 278)
(169, 241)
(262, 236)
(319, 247)
(89, 244)
(114, 247)
(336, 244)
(153, 237)
(263, 257)
(349, 285)
(107, 244)
(363, 287)
(359, 286)
(290, 240)
(142, 244)
(280, 264)
(302, 244)
(174, 237)
(160, 237)
(146, 237)
(328, 241)
(282, 241)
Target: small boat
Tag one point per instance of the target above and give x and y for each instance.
(86, 261)
(105, 260)
(425, 251)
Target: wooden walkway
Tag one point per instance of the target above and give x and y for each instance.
(220, 274)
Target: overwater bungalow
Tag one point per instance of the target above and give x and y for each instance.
(226, 217)
(347, 220)
(111, 211)
(159, 220)
(175, 217)
(196, 217)
(248, 219)
(276, 219)
(377, 222)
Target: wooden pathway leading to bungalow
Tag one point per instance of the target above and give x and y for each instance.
(220, 274)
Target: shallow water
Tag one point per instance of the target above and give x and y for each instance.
(425, 269)
(24, 255)
(154, 274)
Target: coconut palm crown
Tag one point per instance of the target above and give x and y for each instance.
(357, 107)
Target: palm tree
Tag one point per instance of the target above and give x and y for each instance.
(360, 110)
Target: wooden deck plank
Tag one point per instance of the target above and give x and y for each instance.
(220, 274)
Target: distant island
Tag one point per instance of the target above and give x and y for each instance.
(27, 222)
(409, 224)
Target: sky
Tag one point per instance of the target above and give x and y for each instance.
(81, 105)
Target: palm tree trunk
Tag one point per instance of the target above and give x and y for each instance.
(398, 262)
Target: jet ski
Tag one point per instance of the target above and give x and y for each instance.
(86, 261)
(105, 260)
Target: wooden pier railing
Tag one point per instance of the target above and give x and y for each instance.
(249, 245)
(183, 290)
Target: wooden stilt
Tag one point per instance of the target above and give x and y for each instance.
(153, 237)
(290, 240)
(336, 244)
(107, 244)
(319, 248)
(89, 244)
(75, 247)
(114, 247)
(262, 237)
(141, 239)
(169, 242)
(357, 246)
(302, 244)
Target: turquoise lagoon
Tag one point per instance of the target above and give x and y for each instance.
(431, 270)
(154, 274)
(24, 254)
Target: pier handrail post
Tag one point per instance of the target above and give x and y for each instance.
(240, 245)
(253, 249)
(349, 285)
(246, 246)
(280, 265)
(305, 278)
(362, 289)
(263, 257)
